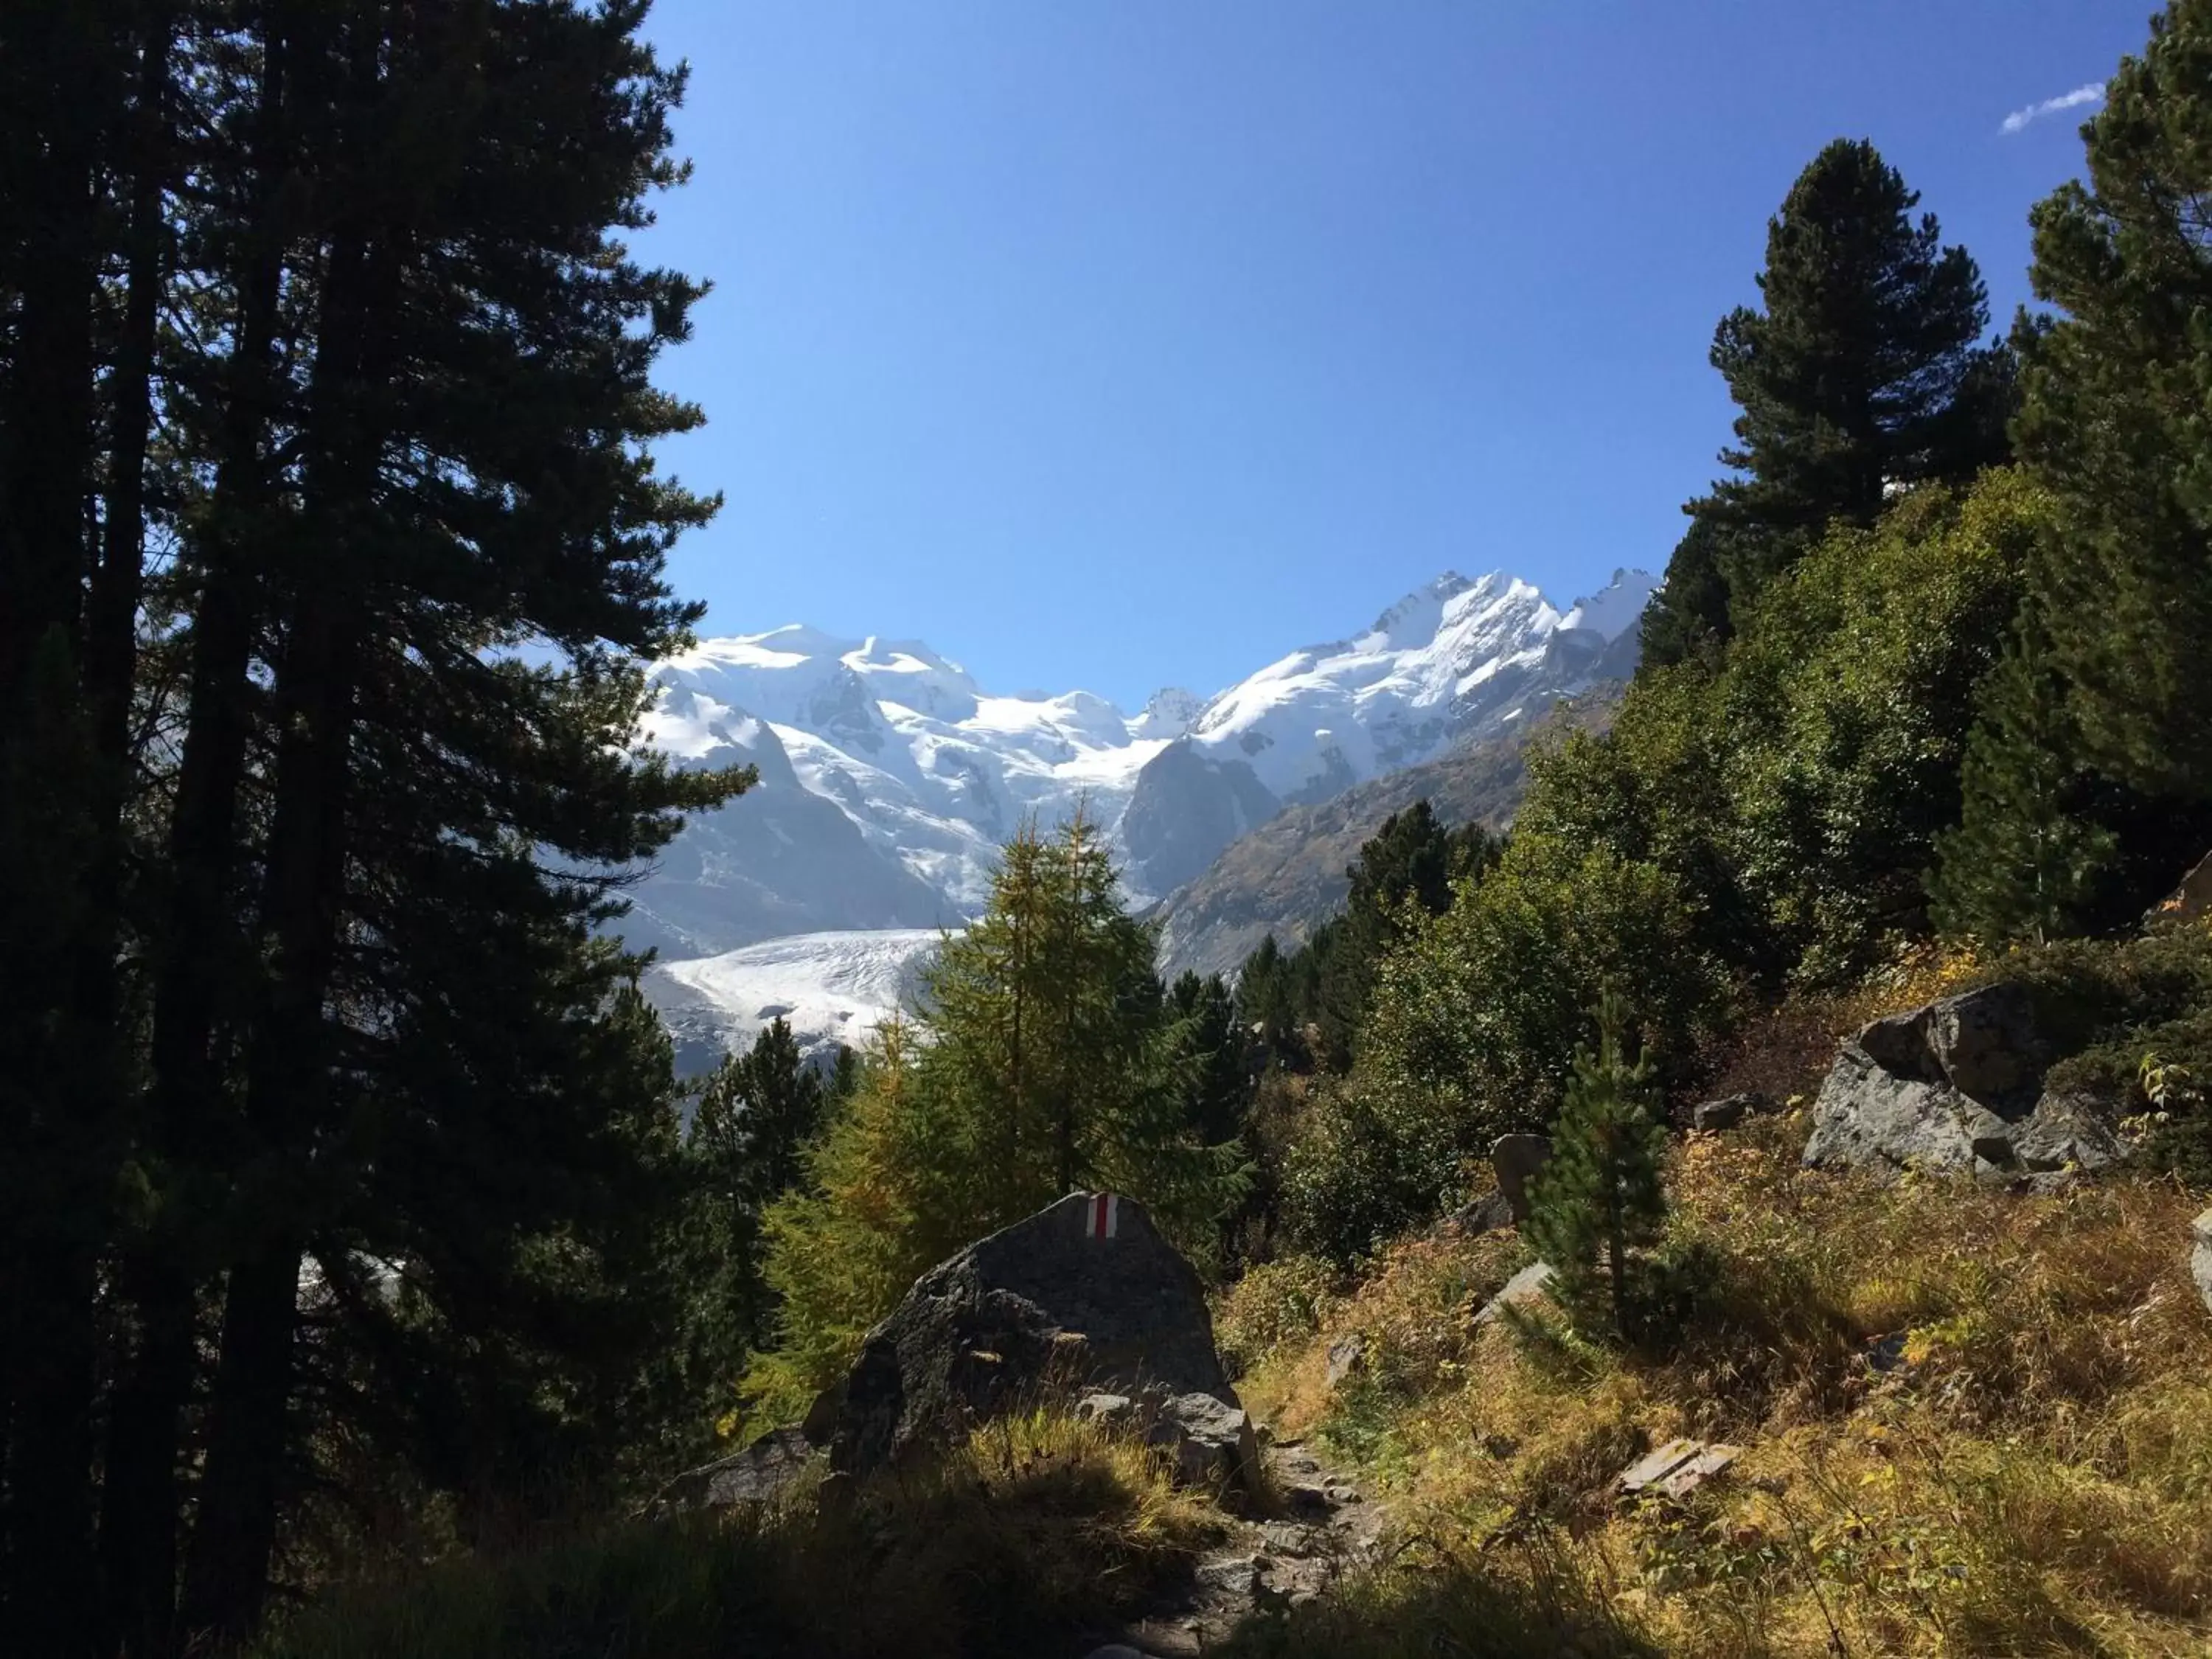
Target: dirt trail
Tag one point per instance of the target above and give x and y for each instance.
(1327, 1527)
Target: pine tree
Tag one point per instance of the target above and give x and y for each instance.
(1208, 1057)
(1599, 1199)
(1043, 1060)
(2113, 415)
(1861, 373)
(2026, 860)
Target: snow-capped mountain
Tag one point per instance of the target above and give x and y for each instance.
(889, 778)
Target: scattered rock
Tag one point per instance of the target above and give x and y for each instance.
(1306, 1498)
(1212, 1441)
(1677, 1468)
(1956, 1084)
(1527, 1286)
(1886, 1353)
(2200, 1259)
(1491, 1212)
(757, 1475)
(1111, 1409)
(1046, 1305)
(1346, 1355)
(1728, 1111)
(1514, 1158)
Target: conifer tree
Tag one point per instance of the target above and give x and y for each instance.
(2113, 415)
(1860, 371)
(1208, 1057)
(1042, 1060)
(2027, 859)
(1599, 1200)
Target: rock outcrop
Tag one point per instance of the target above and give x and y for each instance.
(1083, 1298)
(1957, 1085)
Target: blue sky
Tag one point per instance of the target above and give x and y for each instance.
(1114, 343)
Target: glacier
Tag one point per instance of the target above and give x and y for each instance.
(888, 777)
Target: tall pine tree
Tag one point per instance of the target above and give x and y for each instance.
(2113, 418)
(1860, 372)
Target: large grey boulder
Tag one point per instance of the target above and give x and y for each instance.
(1075, 1300)
(1515, 1159)
(1956, 1085)
(2200, 1258)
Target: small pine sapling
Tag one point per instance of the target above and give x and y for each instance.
(1599, 1200)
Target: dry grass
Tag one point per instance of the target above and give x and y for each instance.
(1036, 1527)
(2031, 1479)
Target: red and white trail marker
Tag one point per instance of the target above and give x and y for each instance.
(1105, 1219)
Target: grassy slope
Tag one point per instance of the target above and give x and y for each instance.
(2033, 1477)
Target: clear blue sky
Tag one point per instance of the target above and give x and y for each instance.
(1114, 343)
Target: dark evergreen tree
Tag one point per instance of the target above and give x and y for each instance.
(1599, 1200)
(753, 1120)
(2113, 417)
(2027, 861)
(1860, 374)
(1208, 1057)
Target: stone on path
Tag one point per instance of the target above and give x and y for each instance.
(1211, 1441)
(1677, 1468)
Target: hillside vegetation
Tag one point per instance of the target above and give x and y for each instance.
(363, 1262)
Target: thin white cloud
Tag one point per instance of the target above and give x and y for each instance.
(2092, 94)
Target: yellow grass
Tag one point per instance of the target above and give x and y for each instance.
(2033, 1479)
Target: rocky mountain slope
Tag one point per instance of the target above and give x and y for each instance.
(888, 777)
(1286, 876)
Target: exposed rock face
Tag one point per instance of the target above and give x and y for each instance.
(1957, 1085)
(1186, 807)
(1046, 1305)
(1516, 1158)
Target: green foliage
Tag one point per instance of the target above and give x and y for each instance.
(1476, 1014)
(1045, 1059)
(2025, 862)
(1796, 789)
(1206, 1058)
(1372, 1160)
(1311, 1004)
(2114, 414)
(750, 1126)
(1481, 1008)
(1598, 1202)
(1861, 371)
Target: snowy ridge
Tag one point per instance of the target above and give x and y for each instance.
(890, 777)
